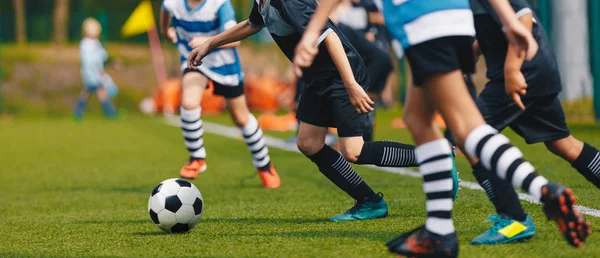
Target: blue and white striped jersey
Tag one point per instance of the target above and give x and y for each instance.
(212, 17)
(417, 21)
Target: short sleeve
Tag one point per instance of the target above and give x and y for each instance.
(255, 19)
(226, 15)
(521, 7)
(298, 14)
(166, 6)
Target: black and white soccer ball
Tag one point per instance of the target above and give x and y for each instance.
(175, 205)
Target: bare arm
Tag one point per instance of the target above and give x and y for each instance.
(518, 36)
(165, 22)
(359, 98)
(165, 27)
(514, 61)
(238, 32)
(306, 50)
(376, 18)
(514, 81)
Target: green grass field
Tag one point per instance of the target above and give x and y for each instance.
(81, 189)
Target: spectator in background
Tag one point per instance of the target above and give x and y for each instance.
(95, 79)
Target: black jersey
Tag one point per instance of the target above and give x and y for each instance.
(286, 20)
(541, 73)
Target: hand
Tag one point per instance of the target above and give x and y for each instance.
(197, 41)
(306, 50)
(521, 39)
(171, 35)
(195, 57)
(370, 36)
(359, 98)
(516, 86)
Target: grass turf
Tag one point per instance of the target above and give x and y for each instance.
(81, 189)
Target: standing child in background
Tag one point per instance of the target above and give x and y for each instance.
(189, 23)
(95, 79)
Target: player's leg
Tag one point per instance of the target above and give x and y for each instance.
(551, 124)
(434, 155)
(582, 156)
(193, 84)
(81, 104)
(107, 106)
(253, 135)
(315, 115)
(497, 154)
(510, 223)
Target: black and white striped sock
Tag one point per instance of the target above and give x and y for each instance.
(588, 164)
(499, 156)
(191, 125)
(435, 164)
(253, 136)
(387, 154)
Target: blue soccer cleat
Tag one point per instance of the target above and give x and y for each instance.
(505, 231)
(455, 178)
(364, 211)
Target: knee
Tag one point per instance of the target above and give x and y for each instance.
(190, 102)
(309, 146)
(350, 154)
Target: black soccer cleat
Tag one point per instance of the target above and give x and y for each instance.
(422, 243)
(559, 205)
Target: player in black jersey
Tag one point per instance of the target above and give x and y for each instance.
(534, 113)
(334, 96)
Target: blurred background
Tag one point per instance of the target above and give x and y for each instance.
(40, 60)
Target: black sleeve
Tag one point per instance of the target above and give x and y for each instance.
(519, 6)
(298, 13)
(370, 6)
(255, 19)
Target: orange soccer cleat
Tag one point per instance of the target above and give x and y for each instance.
(269, 177)
(193, 168)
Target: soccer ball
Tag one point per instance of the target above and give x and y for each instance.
(175, 205)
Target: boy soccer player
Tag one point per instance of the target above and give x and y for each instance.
(194, 21)
(538, 117)
(333, 85)
(93, 57)
(437, 38)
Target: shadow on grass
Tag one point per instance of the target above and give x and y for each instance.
(153, 233)
(264, 220)
(127, 221)
(367, 235)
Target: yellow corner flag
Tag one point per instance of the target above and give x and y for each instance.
(140, 21)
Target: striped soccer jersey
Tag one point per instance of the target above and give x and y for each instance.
(210, 18)
(416, 21)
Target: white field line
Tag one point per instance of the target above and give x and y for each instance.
(232, 132)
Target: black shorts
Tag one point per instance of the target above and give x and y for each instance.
(542, 120)
(441, 55)
(333, 110)
(227, 91)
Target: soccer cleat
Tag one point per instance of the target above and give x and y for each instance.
(455, 178)
(505, 230)
(269, 177)
(422, 243)
(559, 205)
(364, 211)
(193, 168)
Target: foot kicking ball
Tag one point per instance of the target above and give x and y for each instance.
(175, 205)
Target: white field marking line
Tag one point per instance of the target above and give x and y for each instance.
(232, 132)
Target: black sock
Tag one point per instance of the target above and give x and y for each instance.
(500, 192)
(588, 164)
(333, 165)
(368, 137)
(387, 154)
